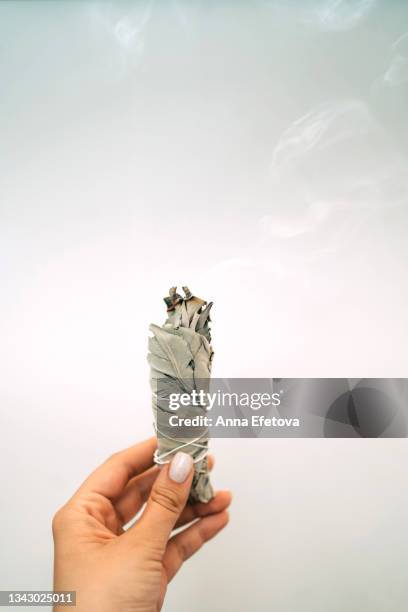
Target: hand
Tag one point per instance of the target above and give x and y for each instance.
(113, 570)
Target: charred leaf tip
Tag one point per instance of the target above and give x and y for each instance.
(172, 299)
(187, 293)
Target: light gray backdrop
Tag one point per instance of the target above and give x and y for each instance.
(256, 151)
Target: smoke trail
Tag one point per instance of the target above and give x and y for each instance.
(126, 29)
(340, 15)
(397, 72)
(334, 167)
(186, 11)
(320, 128)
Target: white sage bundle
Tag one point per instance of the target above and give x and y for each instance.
(180, 357)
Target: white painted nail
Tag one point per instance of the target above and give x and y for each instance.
(180, 467)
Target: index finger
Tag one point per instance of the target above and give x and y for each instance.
(110, 478)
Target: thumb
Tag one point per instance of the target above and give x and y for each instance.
(167, 499)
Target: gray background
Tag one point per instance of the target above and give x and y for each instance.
(256, 151)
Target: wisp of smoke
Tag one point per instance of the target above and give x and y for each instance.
(397, 72)
(320, 129)
(340, 15)
(332, 166)
(126, 29)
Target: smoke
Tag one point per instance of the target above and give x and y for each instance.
(320, 129)
(126, 29)
(397, 71)
(186, 11)
(334, 165)
(340, 15)
(325, 15)
(388, 93)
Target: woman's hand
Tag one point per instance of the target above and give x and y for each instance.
(113, 570)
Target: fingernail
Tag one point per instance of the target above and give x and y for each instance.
(180, 467)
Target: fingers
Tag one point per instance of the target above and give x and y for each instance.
(110, 478)
(220, 502)
(166, 501)
(185, 544)
(137, 491)
(135, 494)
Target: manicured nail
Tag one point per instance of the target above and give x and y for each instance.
(180, 467)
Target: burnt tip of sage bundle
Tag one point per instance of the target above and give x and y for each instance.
(188, 311)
